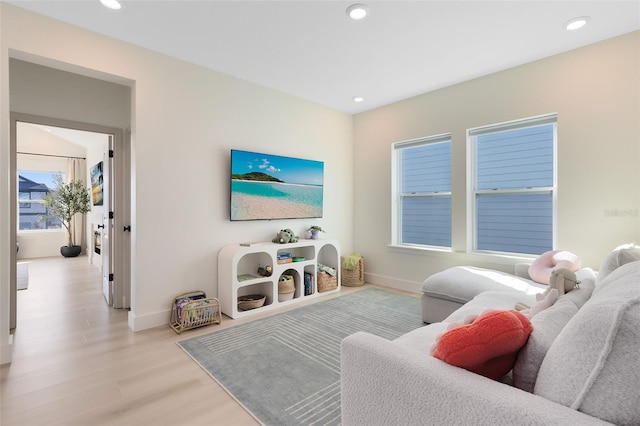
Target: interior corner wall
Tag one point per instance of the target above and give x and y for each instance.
(185, 119)
(595, 92)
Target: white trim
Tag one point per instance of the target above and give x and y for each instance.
(514, 124)
(145, 322)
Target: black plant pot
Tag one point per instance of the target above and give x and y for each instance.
(70, 251)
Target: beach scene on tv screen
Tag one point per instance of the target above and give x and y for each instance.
(265, 186)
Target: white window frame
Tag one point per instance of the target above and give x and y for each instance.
(397, 196)
(471, 178)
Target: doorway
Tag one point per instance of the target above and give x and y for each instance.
(46, 144)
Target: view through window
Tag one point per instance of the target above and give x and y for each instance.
(32, 187)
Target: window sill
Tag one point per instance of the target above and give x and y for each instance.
(39, 231)
(473, 257)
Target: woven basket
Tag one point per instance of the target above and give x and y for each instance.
(352, 277)
(326, 282)
(253, 301)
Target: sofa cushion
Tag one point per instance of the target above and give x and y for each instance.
(547, 324)
(490, 300)
(543, 265)
(462, 283)
(593, 365)
(621, 255)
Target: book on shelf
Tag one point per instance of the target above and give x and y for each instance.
(245, 277)
(283, 261)
(308, 283)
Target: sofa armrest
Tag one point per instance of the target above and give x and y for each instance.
(386, 383)
(522, 270)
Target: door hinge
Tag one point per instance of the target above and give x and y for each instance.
(110, 277)
(110, 215)
(110, 153)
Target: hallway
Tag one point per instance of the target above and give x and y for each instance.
(76, 362)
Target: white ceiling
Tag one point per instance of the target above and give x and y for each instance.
(311, 49)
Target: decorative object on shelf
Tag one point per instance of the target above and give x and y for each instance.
(315, 230)
(252, 301)
(285, 236)
(194, 309)
(352, 273)
(286, 287)
(265, 271)
(65, 201)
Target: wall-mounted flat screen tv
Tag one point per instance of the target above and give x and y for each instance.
(265, 187)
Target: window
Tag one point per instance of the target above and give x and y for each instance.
(513, 186)
(422, 192)
(32, 187)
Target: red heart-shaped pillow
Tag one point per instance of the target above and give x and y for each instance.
(488, 346)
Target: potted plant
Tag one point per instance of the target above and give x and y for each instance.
(314, 232)
(65, 201)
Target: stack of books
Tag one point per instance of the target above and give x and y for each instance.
(284, 258)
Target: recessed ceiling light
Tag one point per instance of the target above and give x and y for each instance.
(358, 99)
(357, 11)
(111, 4)
(576, 23)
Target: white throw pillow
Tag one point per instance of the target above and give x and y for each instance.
(621, 255)
(547, 325)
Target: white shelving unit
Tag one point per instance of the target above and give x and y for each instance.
(237, 263)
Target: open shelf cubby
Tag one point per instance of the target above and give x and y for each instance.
(238, 275)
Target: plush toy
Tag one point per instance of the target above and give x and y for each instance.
(285, 236)
(488, 345)
(563, 280)
(544, 300)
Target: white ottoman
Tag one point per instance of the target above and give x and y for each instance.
(446, 291)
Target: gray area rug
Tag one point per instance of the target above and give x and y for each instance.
(22, 276)
(285, 369)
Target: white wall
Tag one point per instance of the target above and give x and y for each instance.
(595, 91)
(185, 120)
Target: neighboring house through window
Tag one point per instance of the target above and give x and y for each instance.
(512, 186)
(32, 187)
(422, 192)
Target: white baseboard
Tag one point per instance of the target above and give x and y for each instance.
(409, 286)
(6, 350)
(145, 322)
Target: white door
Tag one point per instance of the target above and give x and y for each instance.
(108, 223)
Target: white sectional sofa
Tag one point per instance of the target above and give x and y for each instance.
(580, 365)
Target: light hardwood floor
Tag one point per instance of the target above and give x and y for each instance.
(76, 362)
